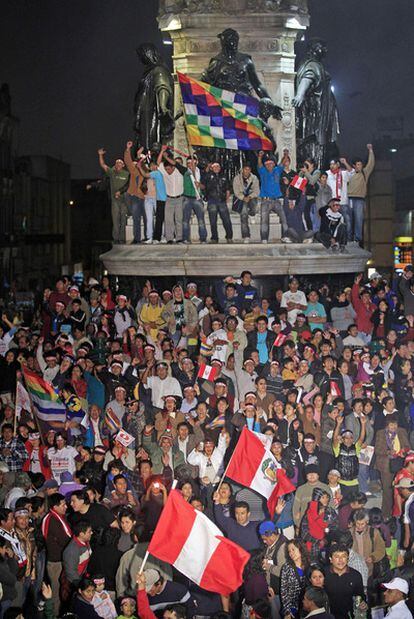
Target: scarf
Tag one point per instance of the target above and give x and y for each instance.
(338, 183)
(46, 523)
(16, 546)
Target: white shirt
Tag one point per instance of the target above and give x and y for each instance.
(62, 460)
(293, 297)
(342, 192)
(174, 183)
(400, 610)
(160, 388)
(315, 613)
(408, 502)
(209, 466)
(219, 351)
(182, 446)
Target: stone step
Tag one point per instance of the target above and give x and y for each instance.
(275, 230)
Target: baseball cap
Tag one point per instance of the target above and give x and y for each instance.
(267, 528)
(151, 577)
(49, 484)
(409, 458)
(374, 275)
(398, 584)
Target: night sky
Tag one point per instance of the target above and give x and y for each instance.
(73, 71)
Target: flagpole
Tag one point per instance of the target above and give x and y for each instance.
(15, 411)
(141, 569)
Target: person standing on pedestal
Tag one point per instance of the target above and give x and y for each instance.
(135, 194)
(192, 198)
(174, 185)
(118, 178)
(357, 192)
(271, 197)
(217, 192)
(154, 202)
(338, 180)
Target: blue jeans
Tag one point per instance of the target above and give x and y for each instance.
(219, 208)
(357, 206)
(363, 477)
(271, 205)
(315, 219)
(150, 205)
(136, 207)
(190, 205)
(347, 215)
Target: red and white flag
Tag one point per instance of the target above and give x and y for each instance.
(298, 182)
(207, 372)
(280, 339)
(254, 466)
(124, 438)
(197, 548)
(334, 389)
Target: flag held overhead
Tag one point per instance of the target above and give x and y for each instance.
(220, 118)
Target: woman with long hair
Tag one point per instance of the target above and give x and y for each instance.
(293, 579)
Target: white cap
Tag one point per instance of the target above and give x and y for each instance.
(397, 583)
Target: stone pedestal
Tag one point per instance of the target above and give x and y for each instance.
(268, 30)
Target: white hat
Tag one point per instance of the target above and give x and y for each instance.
(151, 577)
(397, 583)
(374, 275)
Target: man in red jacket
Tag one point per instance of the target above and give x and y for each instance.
(364, 309)
(57, 535)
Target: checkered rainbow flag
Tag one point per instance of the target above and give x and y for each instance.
(220, 118)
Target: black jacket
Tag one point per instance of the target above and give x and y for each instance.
(215, 186)
(8, 578)
(252, 339)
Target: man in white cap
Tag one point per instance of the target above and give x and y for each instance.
(395, 593)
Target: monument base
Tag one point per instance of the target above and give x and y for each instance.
(208, 259)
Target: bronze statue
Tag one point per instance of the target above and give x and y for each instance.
(232, 70)
(154, 99)
(317, 114)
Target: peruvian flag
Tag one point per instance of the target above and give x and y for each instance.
(280, 340)
(207, 372)
(298, 182)
(197, 548)
(254, 466)
(334, 388)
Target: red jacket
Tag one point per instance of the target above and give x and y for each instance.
(363, 312)
(143, 607)
(317, 524)
(44, 462)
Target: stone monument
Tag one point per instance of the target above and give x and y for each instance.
(317, 121)
(268, 30)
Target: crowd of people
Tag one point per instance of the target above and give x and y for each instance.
(162, 194)
(325, 374)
